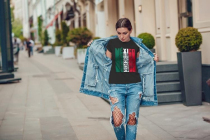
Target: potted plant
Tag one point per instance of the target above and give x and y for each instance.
(58, 42)
(188, 41)
(96, 38)
(46, 44)
(67, 50)
(148, 40)
(80, 36)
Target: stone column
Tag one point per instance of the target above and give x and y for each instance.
(160, 29)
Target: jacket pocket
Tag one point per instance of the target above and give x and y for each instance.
(91, 74)
(147, 84)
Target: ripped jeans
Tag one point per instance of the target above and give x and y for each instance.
(121, 97)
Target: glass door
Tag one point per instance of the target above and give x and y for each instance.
(185, 13)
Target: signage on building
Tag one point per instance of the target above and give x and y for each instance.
(69, 14)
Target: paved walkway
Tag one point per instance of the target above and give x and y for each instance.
(47, 105)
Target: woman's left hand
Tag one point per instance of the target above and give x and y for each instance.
(156, 57)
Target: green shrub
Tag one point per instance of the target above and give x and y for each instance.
(148, 40)
(188, 39)
(46, 38)
(65, 30)
(58, 40)
(79, 36)
(96, 38)
(40, 21)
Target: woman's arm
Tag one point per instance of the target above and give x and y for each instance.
(156, 58)
(138, 54)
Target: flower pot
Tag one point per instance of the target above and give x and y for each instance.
(58, 50)
(68, 52)
(46, 48)
(81, 55)
(190, 75)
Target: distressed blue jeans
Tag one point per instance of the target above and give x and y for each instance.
(125, 97)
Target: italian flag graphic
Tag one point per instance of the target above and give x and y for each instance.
(125, 60)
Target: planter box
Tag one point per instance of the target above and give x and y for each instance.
(189, 65)
(68, 52)
(205, 77)
(46, 48)
(58, 50)
(81, 55)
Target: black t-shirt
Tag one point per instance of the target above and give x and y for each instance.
(28, 44)
(124, 55)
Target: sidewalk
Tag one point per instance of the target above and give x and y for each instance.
(47, 105)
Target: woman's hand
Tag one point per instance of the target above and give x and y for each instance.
(156, 57)
(89, 43)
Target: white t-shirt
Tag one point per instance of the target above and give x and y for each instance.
(32, 42)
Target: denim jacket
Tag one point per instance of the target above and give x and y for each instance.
(95, 80)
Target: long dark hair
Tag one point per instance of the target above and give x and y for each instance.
(123, 22)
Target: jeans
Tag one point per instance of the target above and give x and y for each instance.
(31, 49)
(121, 97)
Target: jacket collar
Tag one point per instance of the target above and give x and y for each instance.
(135, 39)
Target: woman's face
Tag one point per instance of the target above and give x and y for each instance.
(124, 34)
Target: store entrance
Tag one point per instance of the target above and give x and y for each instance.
(185, 13)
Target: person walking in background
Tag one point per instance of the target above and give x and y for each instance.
(32, 46)
(28, 47)
(16, 50)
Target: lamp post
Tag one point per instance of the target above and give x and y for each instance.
(6, 39)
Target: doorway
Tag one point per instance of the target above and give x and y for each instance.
(185, 13)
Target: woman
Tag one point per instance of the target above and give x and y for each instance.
(16, 50)
(125, 91)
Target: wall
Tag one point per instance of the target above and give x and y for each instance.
(201, 20)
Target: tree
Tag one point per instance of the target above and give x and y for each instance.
(65, 30)
(40, 21)
(12, 14)
(17, 28)
(46, 38)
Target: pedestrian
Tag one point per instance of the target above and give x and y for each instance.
(28, 47)
(16, 50)
(129, 67)
(32, 46)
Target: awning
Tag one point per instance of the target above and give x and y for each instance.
(51, 23)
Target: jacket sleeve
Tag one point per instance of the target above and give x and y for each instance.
(90, 79)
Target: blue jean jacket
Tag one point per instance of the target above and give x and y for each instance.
(95, 80)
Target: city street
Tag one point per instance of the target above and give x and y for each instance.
(46, 105)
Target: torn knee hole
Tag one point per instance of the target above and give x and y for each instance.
(132, 119)
(140, 94)
(113, 100)
(117, 116)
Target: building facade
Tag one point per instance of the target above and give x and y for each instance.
(18, 12)
(161, 18)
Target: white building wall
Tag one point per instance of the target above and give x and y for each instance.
(100, 20)
(201, 20)
(26, 32)
(18, 12)
(51, 29)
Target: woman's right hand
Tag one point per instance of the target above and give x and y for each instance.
(89, 43)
